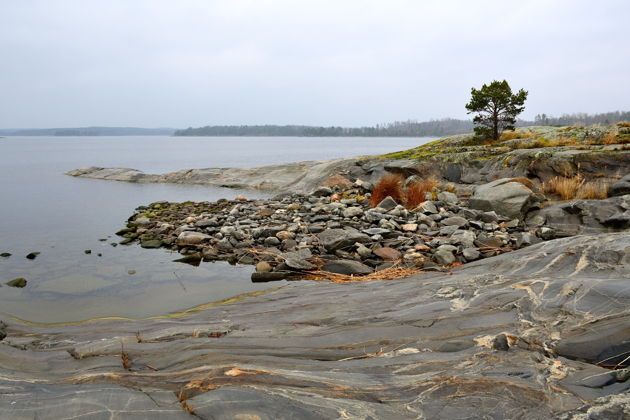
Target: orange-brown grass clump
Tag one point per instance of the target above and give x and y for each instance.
(610, 138)
(416, 192)
(565, 187)
(623, 124)
(388, 185)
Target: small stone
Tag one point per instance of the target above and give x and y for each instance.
(500, 342)
(454, 221)
(87, 251)
(266, 212)
(489, 217)
(447, 197)
(387, 203)
(512, 223)
(428, 207)
(463, 237)
(131, 272)
(272, 241)
(5, 254)
(263, 277)
(471, 254)
(19, 282)
(240, 198)
(347, 267)
(409, 227)
(190, 219)
(263, 267)
(191, 238)
(443, 257)
(363, 251)
(282, 235)
(351, 212)
(322, 191)
(387, 253)
(151, 243)
(32, 255)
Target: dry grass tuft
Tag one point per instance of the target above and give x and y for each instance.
(610, 138)
(389, 185)
(576, 187)
(511, 135)
(565, 187)
(594, 190)
(623, 124)
(525, 181)
(416, 192)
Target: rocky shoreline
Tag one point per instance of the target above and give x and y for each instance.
(334, 231)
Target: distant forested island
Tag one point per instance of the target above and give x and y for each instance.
(433, 128)
(88, 131)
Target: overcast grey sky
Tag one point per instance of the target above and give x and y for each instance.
(187, 63)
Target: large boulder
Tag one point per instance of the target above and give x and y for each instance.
(506, 197)
(621, 187)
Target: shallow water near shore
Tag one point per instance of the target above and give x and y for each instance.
(59, 216)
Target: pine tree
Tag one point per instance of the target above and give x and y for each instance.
(496, 108)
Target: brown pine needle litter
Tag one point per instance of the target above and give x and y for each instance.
(391, 273)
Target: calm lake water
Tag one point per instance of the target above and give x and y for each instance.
(60, 216)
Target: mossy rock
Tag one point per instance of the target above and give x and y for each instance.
(19, 282)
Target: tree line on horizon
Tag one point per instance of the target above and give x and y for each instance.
(409, 128)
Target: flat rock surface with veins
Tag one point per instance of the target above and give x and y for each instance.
(538, 333)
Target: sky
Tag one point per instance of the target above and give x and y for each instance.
(183, 63)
